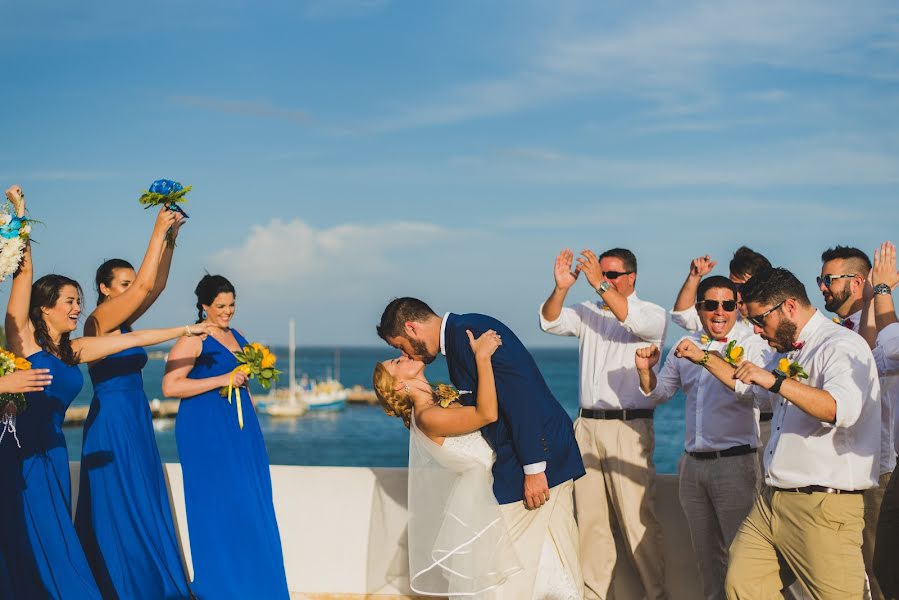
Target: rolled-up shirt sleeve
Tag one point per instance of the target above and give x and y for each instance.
(846, 381)
(668, 380)
(647, 322)
(687, 318)
(568, 323)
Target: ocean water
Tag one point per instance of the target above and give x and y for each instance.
(363, 435)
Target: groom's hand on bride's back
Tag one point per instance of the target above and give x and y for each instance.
(536, 490)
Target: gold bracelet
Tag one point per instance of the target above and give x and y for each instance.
(187, 331)
(705, 358)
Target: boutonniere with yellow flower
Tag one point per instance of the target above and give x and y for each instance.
(791, 369)
(445, 394)
(257, 362)
(11, 405)
(733, 354)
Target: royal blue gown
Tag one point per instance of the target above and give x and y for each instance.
(123, 516)
(234, 539)
(48, 537)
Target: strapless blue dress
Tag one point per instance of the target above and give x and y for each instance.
(123, 516)
(47, 538)
(234, 539)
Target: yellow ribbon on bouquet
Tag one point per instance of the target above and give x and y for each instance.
(236, 391)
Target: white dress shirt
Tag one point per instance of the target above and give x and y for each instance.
(530, 469)
(805, 451)
(717, 418)
(889, 392)
(608, 375)
(886, 353)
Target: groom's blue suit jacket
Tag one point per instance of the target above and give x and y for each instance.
(532, 425)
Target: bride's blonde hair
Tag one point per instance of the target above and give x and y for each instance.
(394, 403)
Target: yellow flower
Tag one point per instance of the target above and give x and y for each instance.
(22, 364)
(784, 365)
(258, 347)
(268, 359)
(735, 353)
(245, 368)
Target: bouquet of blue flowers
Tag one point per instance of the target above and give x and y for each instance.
(168, 193)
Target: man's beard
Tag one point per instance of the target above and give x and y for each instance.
(785, 335)
(837, 299)
(421, 351)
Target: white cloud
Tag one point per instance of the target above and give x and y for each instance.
(251, 108)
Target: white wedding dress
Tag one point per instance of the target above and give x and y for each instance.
(458, 542)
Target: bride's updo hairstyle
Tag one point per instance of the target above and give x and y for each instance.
(208, 288)
(45, 294)
(394, 403)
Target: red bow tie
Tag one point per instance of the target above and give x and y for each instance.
(798, 345)
(704, 339)
(847, 323)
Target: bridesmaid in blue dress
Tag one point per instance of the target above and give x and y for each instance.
(39, 321)
(123, 517)
(234, 539)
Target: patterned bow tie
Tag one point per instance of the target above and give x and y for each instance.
(847, 322)
(704, 339)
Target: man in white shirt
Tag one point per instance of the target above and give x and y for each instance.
(844, 270)
(614, 430)
(885, 279)
(719, 473)
(824, 450)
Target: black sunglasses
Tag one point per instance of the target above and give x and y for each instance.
(759, 320)
(712, 305)
(828, 279)
(615, 274)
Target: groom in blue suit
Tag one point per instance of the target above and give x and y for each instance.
(533, 438)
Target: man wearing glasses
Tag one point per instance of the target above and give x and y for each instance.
(824, 450)
(844, 270)
(615, 425)
(719, 473)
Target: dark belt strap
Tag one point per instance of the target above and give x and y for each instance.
(735, 451)
(628, 414)
(811, 489)
(765, 416)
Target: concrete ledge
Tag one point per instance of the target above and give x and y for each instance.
(343, 531)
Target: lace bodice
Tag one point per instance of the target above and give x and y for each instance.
(472, 446)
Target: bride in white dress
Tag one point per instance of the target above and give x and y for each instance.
(458, 542)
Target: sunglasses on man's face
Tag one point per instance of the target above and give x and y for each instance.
(615, 274)
(712, 305)
(759, 320)
(828, 279)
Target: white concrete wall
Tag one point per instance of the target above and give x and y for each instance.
(343, 531)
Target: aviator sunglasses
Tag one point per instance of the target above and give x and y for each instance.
(712, 305)
(615, 274)
(828, 279)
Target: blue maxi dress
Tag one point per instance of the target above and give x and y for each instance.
(234, 541)
(123, 516)
(47, 537)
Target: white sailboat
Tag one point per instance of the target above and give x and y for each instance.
(277, 404)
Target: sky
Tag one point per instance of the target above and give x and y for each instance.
(346, 152)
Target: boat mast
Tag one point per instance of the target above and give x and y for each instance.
(291, 353)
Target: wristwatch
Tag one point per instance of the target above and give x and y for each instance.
(603, 287)
(882, 289)
(779, 377)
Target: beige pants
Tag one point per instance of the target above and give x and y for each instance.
(529, 530)
(716, 495)
(620, 485)
(817, 537)
(873, 499)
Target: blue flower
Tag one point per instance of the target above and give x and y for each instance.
(165, 187)
(11, 229)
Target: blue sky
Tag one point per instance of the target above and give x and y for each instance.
(349, 151)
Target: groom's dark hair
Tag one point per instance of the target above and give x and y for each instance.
(398, 313)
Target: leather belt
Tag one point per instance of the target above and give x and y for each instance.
(811, 489)
(618, 415)
(735, 451)
(765, 416)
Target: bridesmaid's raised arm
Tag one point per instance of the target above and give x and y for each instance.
(182, 356)
(133, 302)
(19, 330)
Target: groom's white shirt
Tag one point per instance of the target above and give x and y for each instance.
(531, 469)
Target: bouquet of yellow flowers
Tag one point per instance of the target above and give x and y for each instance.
(11, 405)
(257, 362)
(445, 394)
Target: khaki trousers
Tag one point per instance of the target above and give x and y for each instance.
(873, 499)
(886, 550)
(620, 485)
(817, 537)
(529, 529)
(716, 495)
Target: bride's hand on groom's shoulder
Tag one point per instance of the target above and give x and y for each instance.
(485, 344)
